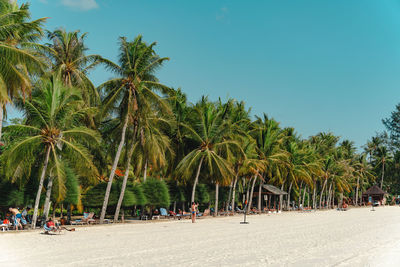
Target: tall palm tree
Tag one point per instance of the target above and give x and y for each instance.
(17, 59)
(382, 157)
(67, 53)
(52, 120)
(208, 131)
(135, 83)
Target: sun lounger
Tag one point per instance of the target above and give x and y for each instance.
(164, 213)
(87, 218)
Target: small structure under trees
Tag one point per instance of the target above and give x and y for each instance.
(376, 194)
(271, 196)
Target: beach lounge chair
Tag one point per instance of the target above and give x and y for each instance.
(87, 218)
(164, 213)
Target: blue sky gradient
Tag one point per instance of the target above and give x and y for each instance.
(314, 65)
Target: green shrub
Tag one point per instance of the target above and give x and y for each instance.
(156, 192)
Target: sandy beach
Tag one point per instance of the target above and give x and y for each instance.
(358, 237)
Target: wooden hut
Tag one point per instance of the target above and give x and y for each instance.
(376, 194)
(271, 196)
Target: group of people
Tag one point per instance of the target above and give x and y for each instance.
(16, 218)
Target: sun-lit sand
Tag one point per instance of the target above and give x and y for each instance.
(358, 237)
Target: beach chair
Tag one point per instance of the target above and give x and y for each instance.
(87, 218)
(164, 213)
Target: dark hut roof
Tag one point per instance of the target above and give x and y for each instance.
(274, 190)
(374, 190)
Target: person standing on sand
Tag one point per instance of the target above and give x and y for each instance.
(17, 217)
(193, 209)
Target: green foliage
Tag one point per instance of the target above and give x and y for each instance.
(156, 192)
(94, 196)
(202, 194)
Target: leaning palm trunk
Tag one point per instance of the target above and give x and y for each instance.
(383, 173)
(229, 196)
(113, 169)
(357, 186)
(329, 196)
(314, 197)
(304, 196)
(281, 197)
(47, 201)
(299, 199)
(259, 196)
(35, 211)
(252, 191)
(322, 193)
(216, 199)
(234, 192)
(123, 187)
(196, 180)
(288, 196)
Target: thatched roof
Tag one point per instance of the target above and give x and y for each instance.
(374, 190)
(274, 190)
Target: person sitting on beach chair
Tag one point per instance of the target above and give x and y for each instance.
(50, 227)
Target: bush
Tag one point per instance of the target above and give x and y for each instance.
(94, 197)
(156, 193)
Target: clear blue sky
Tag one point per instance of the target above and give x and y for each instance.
(314, 65)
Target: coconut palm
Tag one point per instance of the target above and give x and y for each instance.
(67, 53)
(52, 119)
(208, 131)
(135, 83)
(17, 60)
(382, 156)
(362, 172)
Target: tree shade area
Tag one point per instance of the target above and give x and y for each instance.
(136, 142)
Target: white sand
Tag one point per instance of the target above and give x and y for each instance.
(358, 237)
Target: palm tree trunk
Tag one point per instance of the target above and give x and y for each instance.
(47, 201)
(322, 193)
(288, 196)
(229, 196)
(127, 167)
(37, 200)
(113, 169)
(329, 196)
(252, 191)
(196, 180)
(234, 192)
(299, 199)
(383, 173)
(281, 197)
(358, 184)
(145, 172)
(314, 200)
(259, 196)
(216, 199)
(304, 196)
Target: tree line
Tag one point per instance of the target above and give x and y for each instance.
(133, 141)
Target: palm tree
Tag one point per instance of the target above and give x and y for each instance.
(124, 94)
(17, 60)
(52, 120)
(269, 137)
(362, 172)
(70, 63)
(382, 156)
(208, 131)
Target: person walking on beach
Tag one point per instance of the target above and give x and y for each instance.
(193, 209)
(17, 217)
